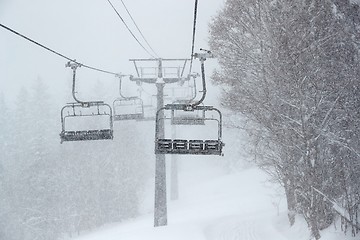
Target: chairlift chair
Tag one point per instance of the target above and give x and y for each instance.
(184, 146)
(165, 145)
(92, 109)
(85, 110)
(127, 108)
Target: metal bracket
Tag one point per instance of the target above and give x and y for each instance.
(73, 64)
(204, 55)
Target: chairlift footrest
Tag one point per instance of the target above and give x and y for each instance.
(194, 147)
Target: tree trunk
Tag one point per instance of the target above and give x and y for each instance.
(291, 201)
(313, 224)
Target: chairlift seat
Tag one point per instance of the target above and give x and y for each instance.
(128, 116)
(187, 121)
(102, 134)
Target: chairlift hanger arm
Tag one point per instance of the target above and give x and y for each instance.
(202, 57)
(74, 66)
(120, 82)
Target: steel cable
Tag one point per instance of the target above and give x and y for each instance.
(55, 52)
(193, 35)
(132, 34)
(138, 28)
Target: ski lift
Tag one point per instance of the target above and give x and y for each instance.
(128, 108)
(164, 145)
(85, 111)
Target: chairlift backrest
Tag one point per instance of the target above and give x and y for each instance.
(193, 117)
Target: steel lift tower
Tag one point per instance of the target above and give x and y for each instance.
(160, 75)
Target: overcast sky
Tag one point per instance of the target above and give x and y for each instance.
(92, 33)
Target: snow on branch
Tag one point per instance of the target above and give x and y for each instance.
(340, 210)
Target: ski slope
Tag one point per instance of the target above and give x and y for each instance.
(214, 205)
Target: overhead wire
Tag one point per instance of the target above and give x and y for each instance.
(127, 27)
(55, 52)
(193, 35)
(138, 28)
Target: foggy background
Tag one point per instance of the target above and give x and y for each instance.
(92, 33)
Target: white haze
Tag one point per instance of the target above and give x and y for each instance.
(91, 33)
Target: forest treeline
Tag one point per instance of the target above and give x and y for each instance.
(50, 190)
(291, 69)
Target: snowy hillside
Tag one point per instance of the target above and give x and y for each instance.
(214, 205)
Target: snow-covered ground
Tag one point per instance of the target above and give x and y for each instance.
(214, 205)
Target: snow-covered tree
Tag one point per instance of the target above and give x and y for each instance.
(291, 68)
